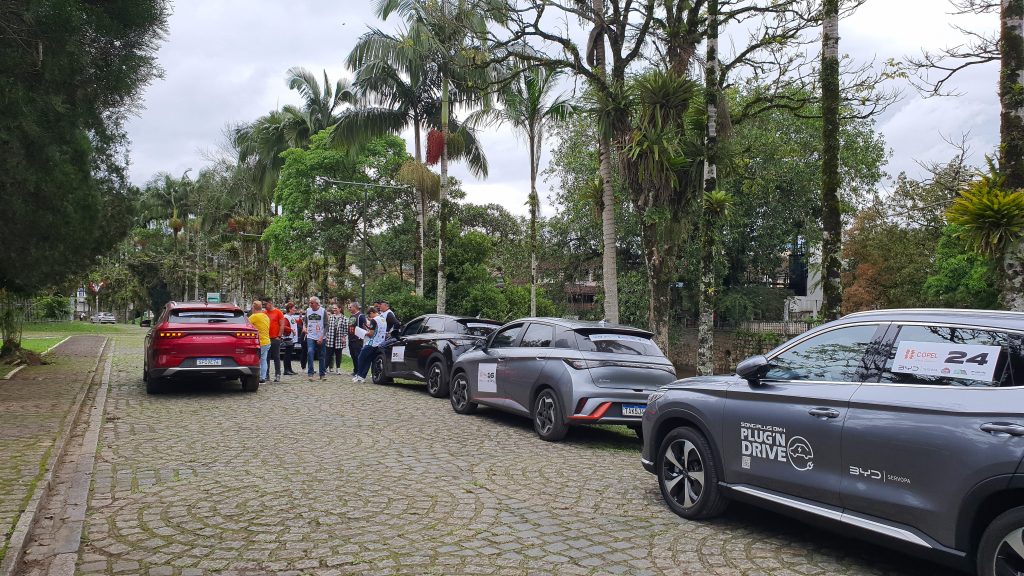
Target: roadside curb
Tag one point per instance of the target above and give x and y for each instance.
(11, 374)
(50, 349)
(19, 537)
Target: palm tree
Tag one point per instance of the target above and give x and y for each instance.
(451, 35)
(831, 219)
(320, 106)
(402, 91)
(713, 204)
(529, 108)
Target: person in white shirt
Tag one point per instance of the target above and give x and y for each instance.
(371, 345)
(290, 337)
(314, 330)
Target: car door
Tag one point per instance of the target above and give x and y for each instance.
(524, 364)
(493, 369)
(784, 431)
(422, 346)
(944, 415)
(401, 352)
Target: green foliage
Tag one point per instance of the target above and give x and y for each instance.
(401, 295)
(54, 307)
(989, 217)
(72, 73)
(747, 303)
(963, 278)
(634, 297)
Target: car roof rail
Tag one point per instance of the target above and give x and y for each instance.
(936, 310)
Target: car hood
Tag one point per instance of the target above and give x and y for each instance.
(705, 381)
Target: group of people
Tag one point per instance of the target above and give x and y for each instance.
(323, 334)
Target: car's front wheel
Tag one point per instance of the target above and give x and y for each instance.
(437, 383)
(688, 475)
(548, 417)
(459, 395)
(377, 371)
(1001, 549)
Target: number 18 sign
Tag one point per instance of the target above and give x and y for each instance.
(970, 361)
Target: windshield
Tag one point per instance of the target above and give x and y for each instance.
(207, 317)
(613, 343)
(477, 328)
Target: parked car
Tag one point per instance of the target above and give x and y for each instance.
(146, 320)
(427, 349)
(562, 372)
(196, 338)
(902, 426)
(103, 318)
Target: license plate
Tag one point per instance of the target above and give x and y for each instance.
(633, 409)
(207, 361)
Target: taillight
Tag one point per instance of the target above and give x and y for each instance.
(170, 334)
(247, 334)
(583, 364)
(577, 364)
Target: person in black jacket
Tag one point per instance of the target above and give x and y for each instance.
(355, 344)
(394, 326)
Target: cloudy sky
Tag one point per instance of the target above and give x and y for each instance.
(225, 63)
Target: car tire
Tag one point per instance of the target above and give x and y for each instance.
(548, 416)
(153, 385)
(1001, 545)
(377, 371)
(250, 383)
(459, 395)
(437, 381)
(688, 475)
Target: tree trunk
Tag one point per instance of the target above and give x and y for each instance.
(1011, 93)
(831, 220)
(706, 289)
(421, 217)
(609, 264)
(1013, 278)
(659, 305)
(442, 283)
(534, 205)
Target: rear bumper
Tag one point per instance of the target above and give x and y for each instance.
(222, 371)
(605, 406)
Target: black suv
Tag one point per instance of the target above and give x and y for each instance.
(427, 348)
(904, 426)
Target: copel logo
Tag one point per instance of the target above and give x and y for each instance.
(910, 354)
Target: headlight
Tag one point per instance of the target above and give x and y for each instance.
(655, 396)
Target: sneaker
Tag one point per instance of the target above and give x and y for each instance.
(355, 378)
(310, 377)
(277, 378)
(263, 381)
(322, 378)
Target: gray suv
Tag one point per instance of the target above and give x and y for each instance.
(904, 426)
(562, 372)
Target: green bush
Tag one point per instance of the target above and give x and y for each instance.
(401, 295)
(53, 307)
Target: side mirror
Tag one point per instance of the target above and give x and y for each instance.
(753, 369)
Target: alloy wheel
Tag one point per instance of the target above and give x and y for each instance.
(434, 378)
(378, 370)
(460, 392)
(1009, 560)
(683, 473)
(545, 416)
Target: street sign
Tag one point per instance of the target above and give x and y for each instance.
(213, 297)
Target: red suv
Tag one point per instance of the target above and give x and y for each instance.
(196, 338)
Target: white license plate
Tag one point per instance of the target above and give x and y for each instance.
(633, 409)
(207, 361)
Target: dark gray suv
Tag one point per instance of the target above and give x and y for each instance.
(904, 426)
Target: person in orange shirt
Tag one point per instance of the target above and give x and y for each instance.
(277, 327)
(262, 323)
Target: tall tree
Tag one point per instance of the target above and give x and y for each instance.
(529, 106)
(452, 35)
(709, 208)
(831, 219)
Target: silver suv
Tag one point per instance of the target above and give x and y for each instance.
(562, 372)
(904, 426)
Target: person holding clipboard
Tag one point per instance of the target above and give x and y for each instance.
(372, 340)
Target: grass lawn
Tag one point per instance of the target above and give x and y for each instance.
(40, 345)
(67, 328)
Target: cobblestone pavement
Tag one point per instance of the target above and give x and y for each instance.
(33, 408)
(342, 478)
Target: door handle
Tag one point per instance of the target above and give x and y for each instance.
(1003, 428)
(823, 413)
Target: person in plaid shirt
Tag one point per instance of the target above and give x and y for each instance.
(336, 332)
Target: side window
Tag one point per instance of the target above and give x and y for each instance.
(538, 336)
(946, 356)
(565, 338)
(506, 338)
(834, 356)
(433, 325)
(412, 327)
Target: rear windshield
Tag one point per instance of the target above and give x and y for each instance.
(617, 344)
(476, 328)
(207, 317)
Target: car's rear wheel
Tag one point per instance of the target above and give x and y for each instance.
(437, 383)
(153, 385)
(688, 475)
(250, 383)
(1001, 549)
(548, 416)
(459, 395)
(377, 371)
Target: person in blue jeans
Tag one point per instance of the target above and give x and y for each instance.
(371, 345)
(313, 327)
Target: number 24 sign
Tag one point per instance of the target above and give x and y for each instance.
(970, 361)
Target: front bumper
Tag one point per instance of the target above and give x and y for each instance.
(220, 371)
(648, 465)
